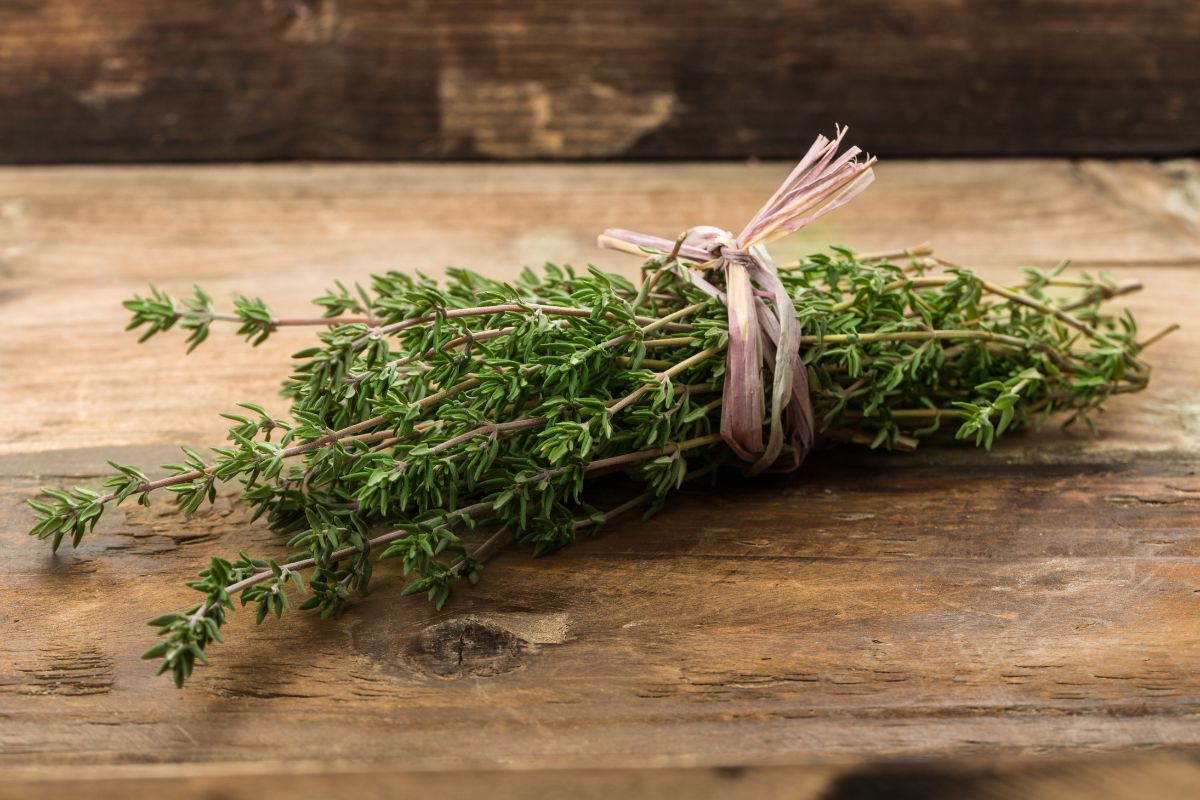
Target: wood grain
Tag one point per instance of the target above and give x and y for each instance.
(1081, 779)
(1038, 600)
(129, 81)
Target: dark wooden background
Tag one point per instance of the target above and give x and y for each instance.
(134, 80)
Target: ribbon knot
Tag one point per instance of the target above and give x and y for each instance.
(762, 332)
(722, 244)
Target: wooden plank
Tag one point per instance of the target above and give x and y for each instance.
(126, 81)
(1040, 599)
(75, 242)
(1087, 779)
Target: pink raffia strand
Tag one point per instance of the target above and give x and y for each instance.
(762, 332)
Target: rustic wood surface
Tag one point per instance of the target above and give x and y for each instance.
(1136, 778)
(1039, 600)
(128, 80)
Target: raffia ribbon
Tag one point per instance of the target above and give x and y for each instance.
(762, 332)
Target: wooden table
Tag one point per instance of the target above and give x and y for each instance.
(1039, 600)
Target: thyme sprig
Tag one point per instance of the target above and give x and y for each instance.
(433, 423)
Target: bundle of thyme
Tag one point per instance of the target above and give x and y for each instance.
(435, 423)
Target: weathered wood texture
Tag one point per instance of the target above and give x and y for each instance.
(1039, 599)
(126, 80)
(991, 779)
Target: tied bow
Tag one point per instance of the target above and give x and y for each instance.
(760, 331)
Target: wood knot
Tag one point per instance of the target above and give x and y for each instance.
(478, 645)
(467, 646)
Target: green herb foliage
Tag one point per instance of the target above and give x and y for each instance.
(432, 415)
